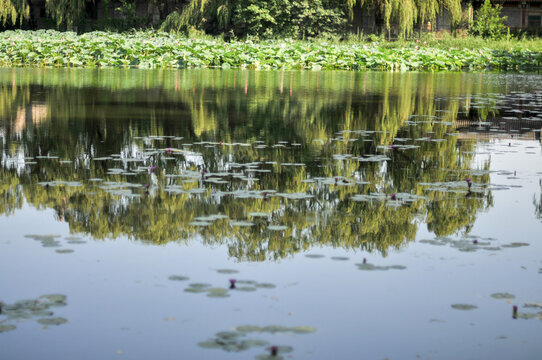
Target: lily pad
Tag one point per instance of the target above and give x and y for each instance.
(259, 214)
(249, 328)
(303, 329)
(194, 290)
(503, 296)
(254, 343)
(242, 223)
(209, 344)
(465, 307)
(515, 245)
(64, 251)
(314, 256)
(76, 242)
(6, 328)
(52, 321)
(178, 278)
(227, 271)
(275, 328)
(217, 291)
(55, 299)
(245, 288)
(199, 286)
(371, 267)
(265, 285)
(277, 227)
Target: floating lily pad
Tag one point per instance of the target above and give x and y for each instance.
(503, 296)
(242, 223)
(528, 316)
(275, 328)
(303, 329)
(227, 271)
(52, 321)
(217, 290)
(55, 299)
(178, 278)
(340, 258)
(64, 251)
(199, 223)
(254, 343)
(199, 286)
(194, 290)
(314, 256)
(277, 227)
(465, 307)
(249, 328)
(432, 242)
(246, 282)
(245, 288)
(259, 214)
(515, 245)
(209, 344)
(228, 334)
(209, 218)
(265, 285)
(6, 328)
(371, 267)
(217, 294)
(76, 242)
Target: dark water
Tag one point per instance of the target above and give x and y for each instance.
(366, 215)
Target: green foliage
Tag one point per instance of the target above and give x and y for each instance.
(214, 107)
(66, 13)
(163, 50)
(127, 17)
(284, 18)
(406, 13)
(173, 23)
(488, 22)
(262, 18)
(13, 11)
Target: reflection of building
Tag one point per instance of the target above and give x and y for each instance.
(525, 129)
(34, 113)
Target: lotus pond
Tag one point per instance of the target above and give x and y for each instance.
(229, 214)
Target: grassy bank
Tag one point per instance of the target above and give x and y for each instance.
(162, 50)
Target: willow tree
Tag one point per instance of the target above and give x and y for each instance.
(13, 11)
(198, 13)
(66, 12)
(406, 13)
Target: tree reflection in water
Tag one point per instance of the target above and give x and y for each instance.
(316, 138)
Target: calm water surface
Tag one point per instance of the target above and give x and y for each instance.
(214, 214)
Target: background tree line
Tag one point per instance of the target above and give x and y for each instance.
(298, 19)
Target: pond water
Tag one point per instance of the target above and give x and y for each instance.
(234, 214)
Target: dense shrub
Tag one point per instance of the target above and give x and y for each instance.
(289, 18)
(488, 22)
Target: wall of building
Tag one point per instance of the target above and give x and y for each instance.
(521, 14)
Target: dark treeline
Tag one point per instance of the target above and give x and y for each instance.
(299, 19)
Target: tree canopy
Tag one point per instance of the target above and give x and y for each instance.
(242, 18)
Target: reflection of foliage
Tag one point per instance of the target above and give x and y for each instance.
(101, 115)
